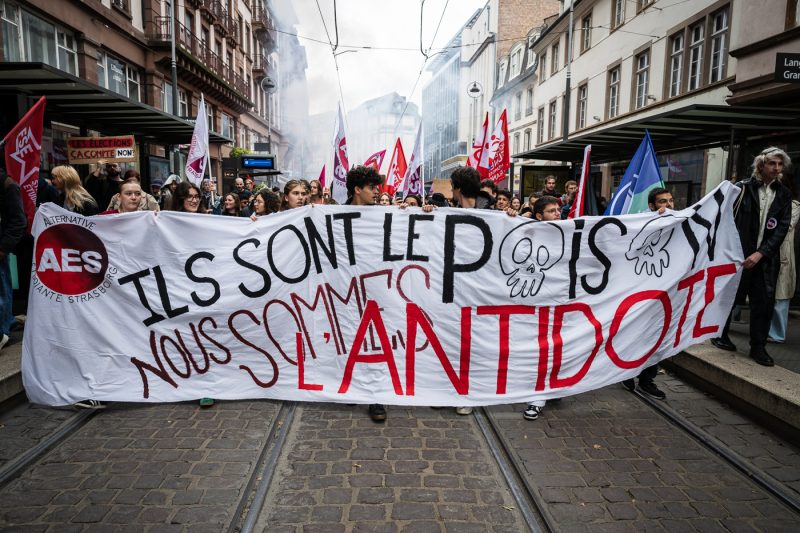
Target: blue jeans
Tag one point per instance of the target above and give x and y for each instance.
(6, 298)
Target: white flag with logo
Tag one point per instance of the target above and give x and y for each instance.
(198, 152)
(340, 160)
(412, 183)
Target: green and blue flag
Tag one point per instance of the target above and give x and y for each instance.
(641, 176)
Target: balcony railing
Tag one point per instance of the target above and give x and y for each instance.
(189, 42)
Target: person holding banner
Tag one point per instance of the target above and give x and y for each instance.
(385, 199)
(147, 202)
(73, 197)
(545, 209)
(763, 214)
(363, 188)
(659, 200)
(12, 227)
(294, 195)
(265, 202)
(187, 198)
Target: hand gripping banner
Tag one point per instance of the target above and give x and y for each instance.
(369, 304)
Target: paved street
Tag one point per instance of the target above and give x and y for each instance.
(601, 461)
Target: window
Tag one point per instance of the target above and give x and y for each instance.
(166, 97)
(188, 21)
(697, 33)
(116, 75)
(543, 67)
(10, 17)
(26, 37)
(210, 113)
(527, 139)
(529, 102)
(540, 125)
(617, 13)
(227, 125)
(516, 143)
(183, 103)
(134, 87)
(67, 56)
(551, 129)
(531, 54)
(641, 5)
(676, 64)
(613, 92)
(719, 31)
(554, 59)
(518, 106)
(583, 95)
(516, 62)
(501, 74)
(706, 40)
(586, 33)
(642, 77)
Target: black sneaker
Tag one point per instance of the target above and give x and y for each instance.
(377, 412)
(629, 384)
(650, 389)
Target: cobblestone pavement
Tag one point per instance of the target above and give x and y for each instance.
(25, 425)
(605, 461)
(602, 461)
(423, 470)
(172, 467)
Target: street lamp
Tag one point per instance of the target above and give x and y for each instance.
(440, 126)
(474, 91)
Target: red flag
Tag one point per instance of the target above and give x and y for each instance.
(578, 208)
(495, 157)
(23, 156)
(397, 169)
(474, 159)
(321, 178)
(375, 160)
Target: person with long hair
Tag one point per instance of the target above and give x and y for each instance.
(316, 193)
(385, 199)
(294, 195)
(230, 205)
(73, 196)
(265, 202)
(186, 198)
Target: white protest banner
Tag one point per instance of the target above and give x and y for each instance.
(369, 304)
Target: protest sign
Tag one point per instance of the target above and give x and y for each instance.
(369, 304)
(86, 150)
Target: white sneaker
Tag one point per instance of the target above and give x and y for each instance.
(90, 404)
(3, 341)
(531, 412)
(463, 410)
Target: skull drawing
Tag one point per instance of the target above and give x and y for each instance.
(648, 249)
(527, 252)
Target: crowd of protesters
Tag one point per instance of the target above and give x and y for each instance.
(766, 215)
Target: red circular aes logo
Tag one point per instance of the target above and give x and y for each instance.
(70, 259)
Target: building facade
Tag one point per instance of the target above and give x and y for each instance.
(377, 123)
(123, 48)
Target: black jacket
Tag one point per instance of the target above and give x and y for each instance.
(747, 217)
(12, 218)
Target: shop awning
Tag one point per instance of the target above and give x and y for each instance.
(77, 102)
(695, 126)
